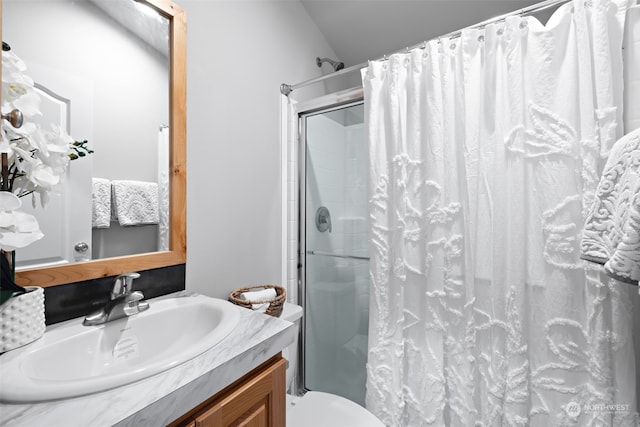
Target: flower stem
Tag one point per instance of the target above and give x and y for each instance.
(5, 173)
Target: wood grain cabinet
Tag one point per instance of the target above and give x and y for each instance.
(255, 400)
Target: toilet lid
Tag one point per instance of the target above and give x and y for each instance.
(318, 409)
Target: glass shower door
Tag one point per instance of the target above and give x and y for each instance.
(335, 252)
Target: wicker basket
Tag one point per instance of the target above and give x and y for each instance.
(275, 304)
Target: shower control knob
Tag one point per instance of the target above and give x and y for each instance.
(323, 219)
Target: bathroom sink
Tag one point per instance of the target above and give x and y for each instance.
(72, 360)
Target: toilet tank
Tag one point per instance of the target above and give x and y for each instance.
(292, 313)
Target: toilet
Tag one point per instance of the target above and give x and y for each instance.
(315, 408)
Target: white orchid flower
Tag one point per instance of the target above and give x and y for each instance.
(17, 229)
(14, 65)
(44, 177)
(15, 83)
(58, 146)
(41, 157)
(37, 158)
(5, 146)
(28, 104)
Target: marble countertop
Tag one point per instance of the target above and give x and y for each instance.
(160, 399)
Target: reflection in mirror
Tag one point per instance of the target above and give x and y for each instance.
(131, 99)
(103, 73)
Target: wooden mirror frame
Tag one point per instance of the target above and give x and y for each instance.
(177, 253)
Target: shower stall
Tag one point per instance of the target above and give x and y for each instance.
(484, 155)
(333, 249)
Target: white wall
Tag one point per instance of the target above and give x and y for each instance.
(239, 52)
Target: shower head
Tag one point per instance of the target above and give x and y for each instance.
(335, 64)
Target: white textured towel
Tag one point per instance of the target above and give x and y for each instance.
(259, 297)
(135, 202)
(612, 230)
(100, 203)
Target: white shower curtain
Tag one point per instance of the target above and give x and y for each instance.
(485, 151)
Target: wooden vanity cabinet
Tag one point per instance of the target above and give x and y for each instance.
(255, 400)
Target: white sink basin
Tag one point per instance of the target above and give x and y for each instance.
(72, 360)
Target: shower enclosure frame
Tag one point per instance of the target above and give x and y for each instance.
(293, 139)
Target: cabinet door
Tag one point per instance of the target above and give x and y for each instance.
(257, 402)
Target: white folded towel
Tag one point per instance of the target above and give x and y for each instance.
(259, 297)
(135, 202)
(100, 203)
(611, 233)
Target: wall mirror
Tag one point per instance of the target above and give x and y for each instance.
(129, 103)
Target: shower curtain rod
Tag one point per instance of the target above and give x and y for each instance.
(286, 89)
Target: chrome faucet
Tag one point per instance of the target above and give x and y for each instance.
(123, 302)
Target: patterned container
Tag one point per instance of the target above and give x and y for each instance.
(22, 319)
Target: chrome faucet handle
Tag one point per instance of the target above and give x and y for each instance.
(123, 302)
(123, 283)
(135, 304)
